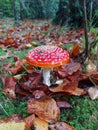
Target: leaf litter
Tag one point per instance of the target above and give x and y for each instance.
(25, 81)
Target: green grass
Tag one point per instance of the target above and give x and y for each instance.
(9, 106)
(83, 115)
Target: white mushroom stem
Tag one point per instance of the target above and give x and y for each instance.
(46, 76)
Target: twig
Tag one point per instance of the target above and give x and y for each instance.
(86, 30)
(93, 82)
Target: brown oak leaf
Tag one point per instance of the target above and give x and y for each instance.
(46, 109)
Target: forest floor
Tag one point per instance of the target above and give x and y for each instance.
(79, 109)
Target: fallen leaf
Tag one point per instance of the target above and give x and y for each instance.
(72, 91)
(75, 50)
(93, 93)
(68, 69)
(61, 126)
(15, 122)
(29, 68)
(46, 109)
(38, 92)
(12, 126)
(21, 93)
(9, 41)
(9, 86)
(40, 124)
(18, 66)
(30, 81)
(29, 121)
(90, 68)
(70, 85)
(78, 92)
(94, 77)
(63, 104)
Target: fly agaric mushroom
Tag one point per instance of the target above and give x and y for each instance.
(47, 57)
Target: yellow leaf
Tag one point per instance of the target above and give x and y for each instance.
(12, 126)
(40, 124)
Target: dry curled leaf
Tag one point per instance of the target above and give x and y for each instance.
(71, 75)
(75, 50)
(29, 121)
(78, 92)
(9, 41)
(70, 85)
(46, 109)
(40, 124)
(63, 104)
(68, 69)
(90, 68)
(94, 78)
(30, 81)
(73, 91)
(61, 126)
(18, 66)
(9, 87)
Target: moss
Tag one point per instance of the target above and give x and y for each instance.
(84, 114)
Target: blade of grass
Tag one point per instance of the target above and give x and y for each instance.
(4, 110)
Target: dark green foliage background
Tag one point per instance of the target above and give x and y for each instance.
(71, 12)
(62, 12)
(35, 9)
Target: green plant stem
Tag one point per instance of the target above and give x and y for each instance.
(91, 11)
(25, 68)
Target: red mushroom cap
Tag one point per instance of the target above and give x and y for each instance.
(47, 56)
